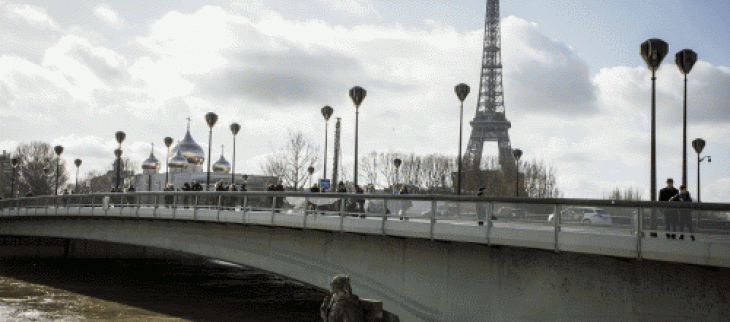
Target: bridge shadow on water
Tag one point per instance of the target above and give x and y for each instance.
(194, 289)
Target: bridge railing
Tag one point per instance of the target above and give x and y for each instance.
(617, 228)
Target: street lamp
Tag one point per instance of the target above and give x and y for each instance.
(168, 143)
(397, 162)
(14, 162)
(685, 59)
(58, 149)
(210, 118)
(77, 162)
(517, 153)
(698, 145)
(327, 113)
(311, 171)
(357, 94)
(653, 51)
(235, 127)
(120, 136)
(462, 90)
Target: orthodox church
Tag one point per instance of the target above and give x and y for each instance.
(185, 164)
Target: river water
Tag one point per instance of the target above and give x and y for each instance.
(141, 290)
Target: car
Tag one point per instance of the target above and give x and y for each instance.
(505, 213)
(584, 215)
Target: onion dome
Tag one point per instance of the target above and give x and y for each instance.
(178, 161)
(222, 165)
(151, 163)
(189, 149)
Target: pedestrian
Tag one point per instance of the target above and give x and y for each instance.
(169, 197)
(234, 197)
(314, 188)
(481, 208)
(404, 204)
(279, 201)
(671, 217)
(360, 202)
(186, 198)
(685, 215)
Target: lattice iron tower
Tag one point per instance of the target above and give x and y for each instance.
(490, 124)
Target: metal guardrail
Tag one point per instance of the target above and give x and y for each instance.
(617, 228)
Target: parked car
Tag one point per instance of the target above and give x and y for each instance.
(584, 215)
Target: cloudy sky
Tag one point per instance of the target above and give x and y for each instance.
(576, 89)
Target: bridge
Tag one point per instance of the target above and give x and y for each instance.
(426, 256)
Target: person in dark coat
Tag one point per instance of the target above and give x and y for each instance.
(169, 197)
(685, 215)
(671, 217)
(186, 198)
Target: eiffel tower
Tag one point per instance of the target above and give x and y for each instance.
(490, 124)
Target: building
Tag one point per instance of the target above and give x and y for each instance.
(185, 164)
(6, 175)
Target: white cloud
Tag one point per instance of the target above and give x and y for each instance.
(269, 74)
(107, 14)
(35, 16)
(353, 7)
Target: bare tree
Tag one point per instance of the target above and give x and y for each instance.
(103, 181)
(291, 162)
(538, 180)
(627, 194)
(369, 165)
(30, 176)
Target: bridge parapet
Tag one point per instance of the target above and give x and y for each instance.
(604, 227)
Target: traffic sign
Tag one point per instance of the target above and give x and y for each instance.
(324, 184)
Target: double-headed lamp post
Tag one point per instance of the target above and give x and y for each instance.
(653, 52)
(168, 143)
(327, 113)
(397, 162)
(77, 162)
(59, 150)
(698, 145)
(210, 118)
(357, 94)
(13, 162)
(685, 59)
(517, 153)
(462, 91)
(235, 128)
(120, 136)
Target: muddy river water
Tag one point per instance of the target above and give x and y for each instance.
(149, 290)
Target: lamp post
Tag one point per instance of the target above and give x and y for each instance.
(357, 94)
(77, 162)
(653, 52)
(462, 90)
(58, 149)
(311, 171)
(517, 153)
(120, 136)
(698, 145)
(235, 127)
(210, 118)
(685, 59)
(397, 162)
(13, 162)
(327, 113)
(168, 143)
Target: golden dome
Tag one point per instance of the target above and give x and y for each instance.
(192, 152)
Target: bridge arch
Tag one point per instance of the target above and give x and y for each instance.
(424, 280)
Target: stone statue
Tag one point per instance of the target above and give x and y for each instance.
(343, 306)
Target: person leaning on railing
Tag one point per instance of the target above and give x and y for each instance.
(685, 215)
